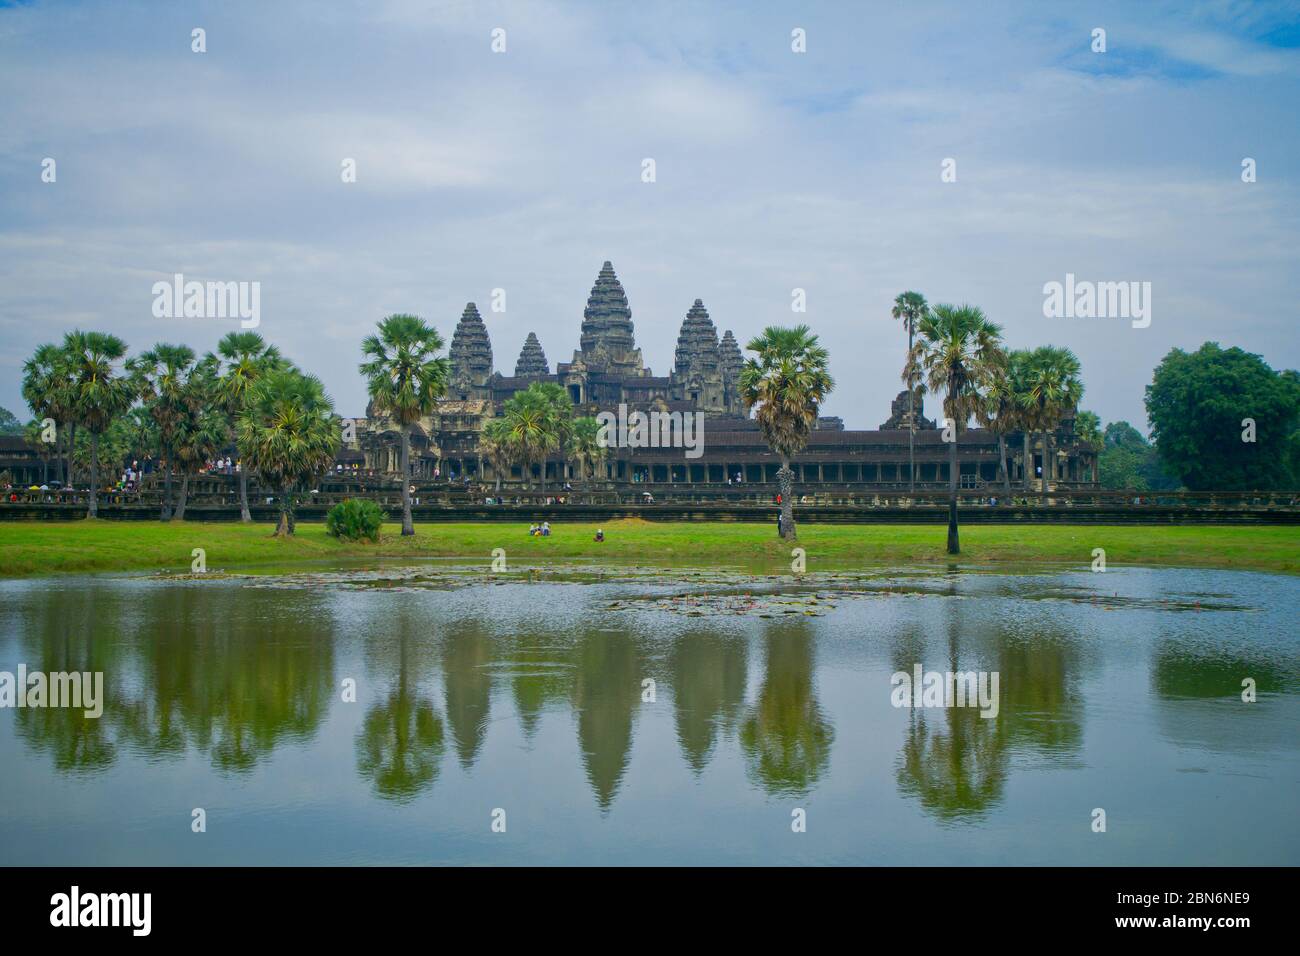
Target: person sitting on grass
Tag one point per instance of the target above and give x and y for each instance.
(532, 530)
(546, 529)
(600, 535)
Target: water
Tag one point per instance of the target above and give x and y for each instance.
(1119, 691)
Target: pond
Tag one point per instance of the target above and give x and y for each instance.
(429, 713)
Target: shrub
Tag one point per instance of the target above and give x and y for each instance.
(355, 519)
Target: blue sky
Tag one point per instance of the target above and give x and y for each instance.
(775, 170)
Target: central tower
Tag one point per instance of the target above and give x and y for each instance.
(607, 343)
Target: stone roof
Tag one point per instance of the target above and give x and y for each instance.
(607, 320)
(532, 360)
(471, 349)
(697, 343)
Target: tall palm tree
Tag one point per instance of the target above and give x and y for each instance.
(1000, 409)
(288, 433)
(405, 379)
(958, 349)
(100, 392)
(584, 446)
(47, 389)
(1053, 389)
(494, 443)
(204, 430)
(910, 308)
(242, 358)
(166, 378)
(786, 383)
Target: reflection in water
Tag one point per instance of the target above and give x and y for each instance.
(708, 678)
(178, 677)
(400, 745)
(785, 736)
(237, 691)
(605, 695)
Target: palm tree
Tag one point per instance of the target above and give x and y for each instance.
(288, 433)
(47, 389)
(204, 430)
(405, 379)
(243, 358)
(538, 421)
(786, 383)
(100, 392)
(1053, 389)
(958, 349)
(166, 377)
(32, 435)
(1000, 409)
(1088, 426)
(494, 443)
(910, 307)
(584, 447)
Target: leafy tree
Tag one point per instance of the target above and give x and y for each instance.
(1088, 427)
(910, 308)
(9, 423)
(33, 434)
(585, 448)
(538, 421)
(1001, 406)
(288, 433)
(786, 384)
(47, 389)
(960, 351)
(173, 388)
(101, 392)
(1128, 462)
(1199, 404)
(494, 443)
(405, 379)
(204, 431)
(1053, 390)
(241, 358)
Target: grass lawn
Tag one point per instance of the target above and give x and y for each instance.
(50, 547)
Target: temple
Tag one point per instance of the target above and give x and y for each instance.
(607, 370)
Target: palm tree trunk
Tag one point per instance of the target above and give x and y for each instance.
(911, 419)
(166, 514)
(954, 542)
(1043, 481)
(72, 452)
(284, 528)
(245, 515)
(94, 476)
(185, 493)
(408, 526)
(1002, 463)
(1027, 468)
(785, 482)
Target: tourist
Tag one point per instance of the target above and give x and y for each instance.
(600, 535)
(546, 529)
(532, 530)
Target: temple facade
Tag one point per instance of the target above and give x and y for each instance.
(607, 370)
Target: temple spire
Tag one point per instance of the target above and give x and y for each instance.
(532, 360)
(471, 349)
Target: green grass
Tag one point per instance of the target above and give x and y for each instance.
(48, 547)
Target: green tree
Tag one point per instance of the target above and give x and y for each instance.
(1053, 390)
(47, 389)
(538, 421)
(288, 433)
(959, 350)
(585, 447)
(9, 423)
(910, 308)
(405, 379)
(33, 433)
(170, 382)
(1088, 427)
(242, 358)
(204, 431)
(1000, 407)
(786, 384)
(494, 444)
(1201, 406)
(101, 392)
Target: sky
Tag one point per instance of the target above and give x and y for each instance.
(774, 170)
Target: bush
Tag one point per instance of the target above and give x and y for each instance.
(355, 519)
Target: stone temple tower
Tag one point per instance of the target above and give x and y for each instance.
(697, 369)
(532, 360)
(607, 343)
(731, 362)
(470, 354)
